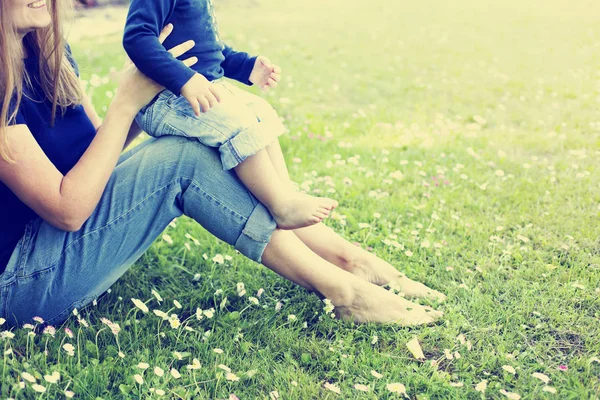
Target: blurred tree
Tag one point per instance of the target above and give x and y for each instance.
(85, 3)
(93, 3)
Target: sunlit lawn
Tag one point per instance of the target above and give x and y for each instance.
(462, 140)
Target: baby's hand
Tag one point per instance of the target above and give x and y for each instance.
(265, 75)
(199, 91)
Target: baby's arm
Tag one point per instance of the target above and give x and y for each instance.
(144, 23)
(237, 65)
(250, 70)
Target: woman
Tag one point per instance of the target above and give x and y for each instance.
(75, 215)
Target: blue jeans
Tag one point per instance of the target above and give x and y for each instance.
(239, 126)
(51, 271)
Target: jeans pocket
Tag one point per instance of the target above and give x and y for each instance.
(41, 251)
(18, 260)
(181, 104)
(3, 297)
(149, 116)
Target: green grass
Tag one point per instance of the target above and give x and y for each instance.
(491, 114)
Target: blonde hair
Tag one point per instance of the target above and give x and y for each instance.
(58, 79)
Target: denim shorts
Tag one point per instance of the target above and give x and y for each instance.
(51, 271)
(239, 126)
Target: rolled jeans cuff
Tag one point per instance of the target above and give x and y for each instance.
(250, 141)
(256, 233)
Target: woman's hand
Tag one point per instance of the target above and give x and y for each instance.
(138, 90)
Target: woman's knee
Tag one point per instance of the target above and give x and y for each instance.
(218, 199)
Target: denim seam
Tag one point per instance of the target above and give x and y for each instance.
(145, 113)
(6, 292)
(151, 110)
(23, 256)
(178, 131)
(233, 151)
(21, 278)
(204, 125)
(9, 282)
(183, 115)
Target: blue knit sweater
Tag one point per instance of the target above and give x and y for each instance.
(192, 19)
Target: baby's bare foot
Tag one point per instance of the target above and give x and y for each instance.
(301, 210)
(371, 303)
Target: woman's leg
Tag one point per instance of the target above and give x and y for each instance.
(354, 298)
(338, 251)
(52, 271)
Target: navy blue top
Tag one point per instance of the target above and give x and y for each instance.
(192, 19)
(64, 144)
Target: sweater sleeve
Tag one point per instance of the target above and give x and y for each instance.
(140, 40)
(237, 65)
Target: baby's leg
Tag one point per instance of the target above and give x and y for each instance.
(291, 210)
(276, 155)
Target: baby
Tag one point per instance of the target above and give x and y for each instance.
(200, 103)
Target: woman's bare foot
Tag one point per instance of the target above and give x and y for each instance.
(300, 210)
(367, 302)
(353, 298)
(338, 251)
(411, 289)
(373, 269)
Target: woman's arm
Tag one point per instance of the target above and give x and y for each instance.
(67, 201)
(90, 110)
